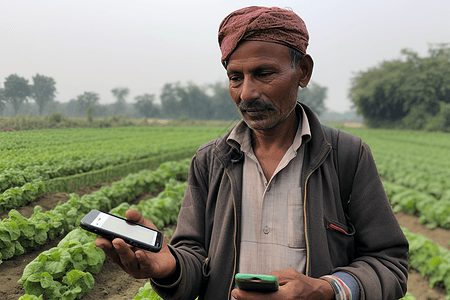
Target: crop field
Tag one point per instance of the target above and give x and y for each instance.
(415, 168)
(49, 179)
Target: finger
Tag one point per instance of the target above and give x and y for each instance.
(103, 243)
(108, 248)
(136, 216)
(288, 275)
(133, 215)
(249, 295)
(277, 274)
(127, 258)
(146, 267)
(235, 293)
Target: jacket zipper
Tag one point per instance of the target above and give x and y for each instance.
(235, 228)
(304, 215)
(304, 220)
(235, 234)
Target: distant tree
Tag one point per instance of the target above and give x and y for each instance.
(404, 92)
(43, 91)
(103, 110)
(197, 103)
(314, 97)
(16, 91)
(441, 121)
(145, 106)
(84, 101)
(170, 100)
(120, 93)
(223, 106)
(191, 101)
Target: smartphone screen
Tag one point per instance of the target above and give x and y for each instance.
(111, 227)
(122, 227)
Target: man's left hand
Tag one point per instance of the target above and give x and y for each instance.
(293, 285)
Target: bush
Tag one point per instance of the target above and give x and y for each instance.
(89, 116)
(440, 122)
(58, 120)
(416, 119)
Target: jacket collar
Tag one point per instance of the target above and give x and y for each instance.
(318, 146)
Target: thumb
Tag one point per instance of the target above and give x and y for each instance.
(134, 215)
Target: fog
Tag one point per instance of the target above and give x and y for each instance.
(98, 45)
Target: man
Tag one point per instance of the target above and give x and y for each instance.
(265, 197)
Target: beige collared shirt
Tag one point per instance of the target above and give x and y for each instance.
(272, 235)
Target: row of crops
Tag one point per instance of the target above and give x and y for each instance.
(65, 271)
(414, 167)
(36, 162)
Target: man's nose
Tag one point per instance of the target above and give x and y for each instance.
(249, 90)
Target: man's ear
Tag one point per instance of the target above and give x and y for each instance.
(306, 65)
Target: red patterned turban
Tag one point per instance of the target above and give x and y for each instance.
(267, 24)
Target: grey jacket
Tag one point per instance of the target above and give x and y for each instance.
(366, 241)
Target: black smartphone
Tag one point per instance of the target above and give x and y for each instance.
(256, 283)
(110, 227)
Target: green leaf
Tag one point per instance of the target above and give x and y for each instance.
(38, 284)
(31, 297)
(76, 278)
(13, 229)
(94, 254)
(46, 280)
(57, 263)
(40, 237)
(33, 286)
(147, 293)
(32, 268)
(19, 250)
(72, 293)
(8, 251)
(5, 238)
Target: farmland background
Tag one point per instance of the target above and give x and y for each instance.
(414, 166)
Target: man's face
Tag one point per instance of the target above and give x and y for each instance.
(263, 83)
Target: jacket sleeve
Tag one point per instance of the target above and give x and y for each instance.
(381, 262)
(188, 241)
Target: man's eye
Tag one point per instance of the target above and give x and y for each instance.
(234, 78)
(265, 74)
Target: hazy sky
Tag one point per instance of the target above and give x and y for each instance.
(97, 45)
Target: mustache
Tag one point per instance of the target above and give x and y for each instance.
(256, 104)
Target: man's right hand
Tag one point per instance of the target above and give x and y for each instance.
(137, 262)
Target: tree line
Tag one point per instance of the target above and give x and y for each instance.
(409, 93)
(208, 102)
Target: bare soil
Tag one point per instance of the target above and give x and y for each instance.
(418, 286)
(112, 283)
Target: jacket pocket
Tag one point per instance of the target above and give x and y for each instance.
(347, 230)
(341, 244)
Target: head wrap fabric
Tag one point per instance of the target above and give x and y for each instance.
(267, 24)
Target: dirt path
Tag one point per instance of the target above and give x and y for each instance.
(417, 285)
(112, 283)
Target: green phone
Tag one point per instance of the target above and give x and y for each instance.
(256, 283)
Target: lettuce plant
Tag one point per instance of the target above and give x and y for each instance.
(62, 272)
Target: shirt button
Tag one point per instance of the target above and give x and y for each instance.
(268, 188)
(266, 230)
